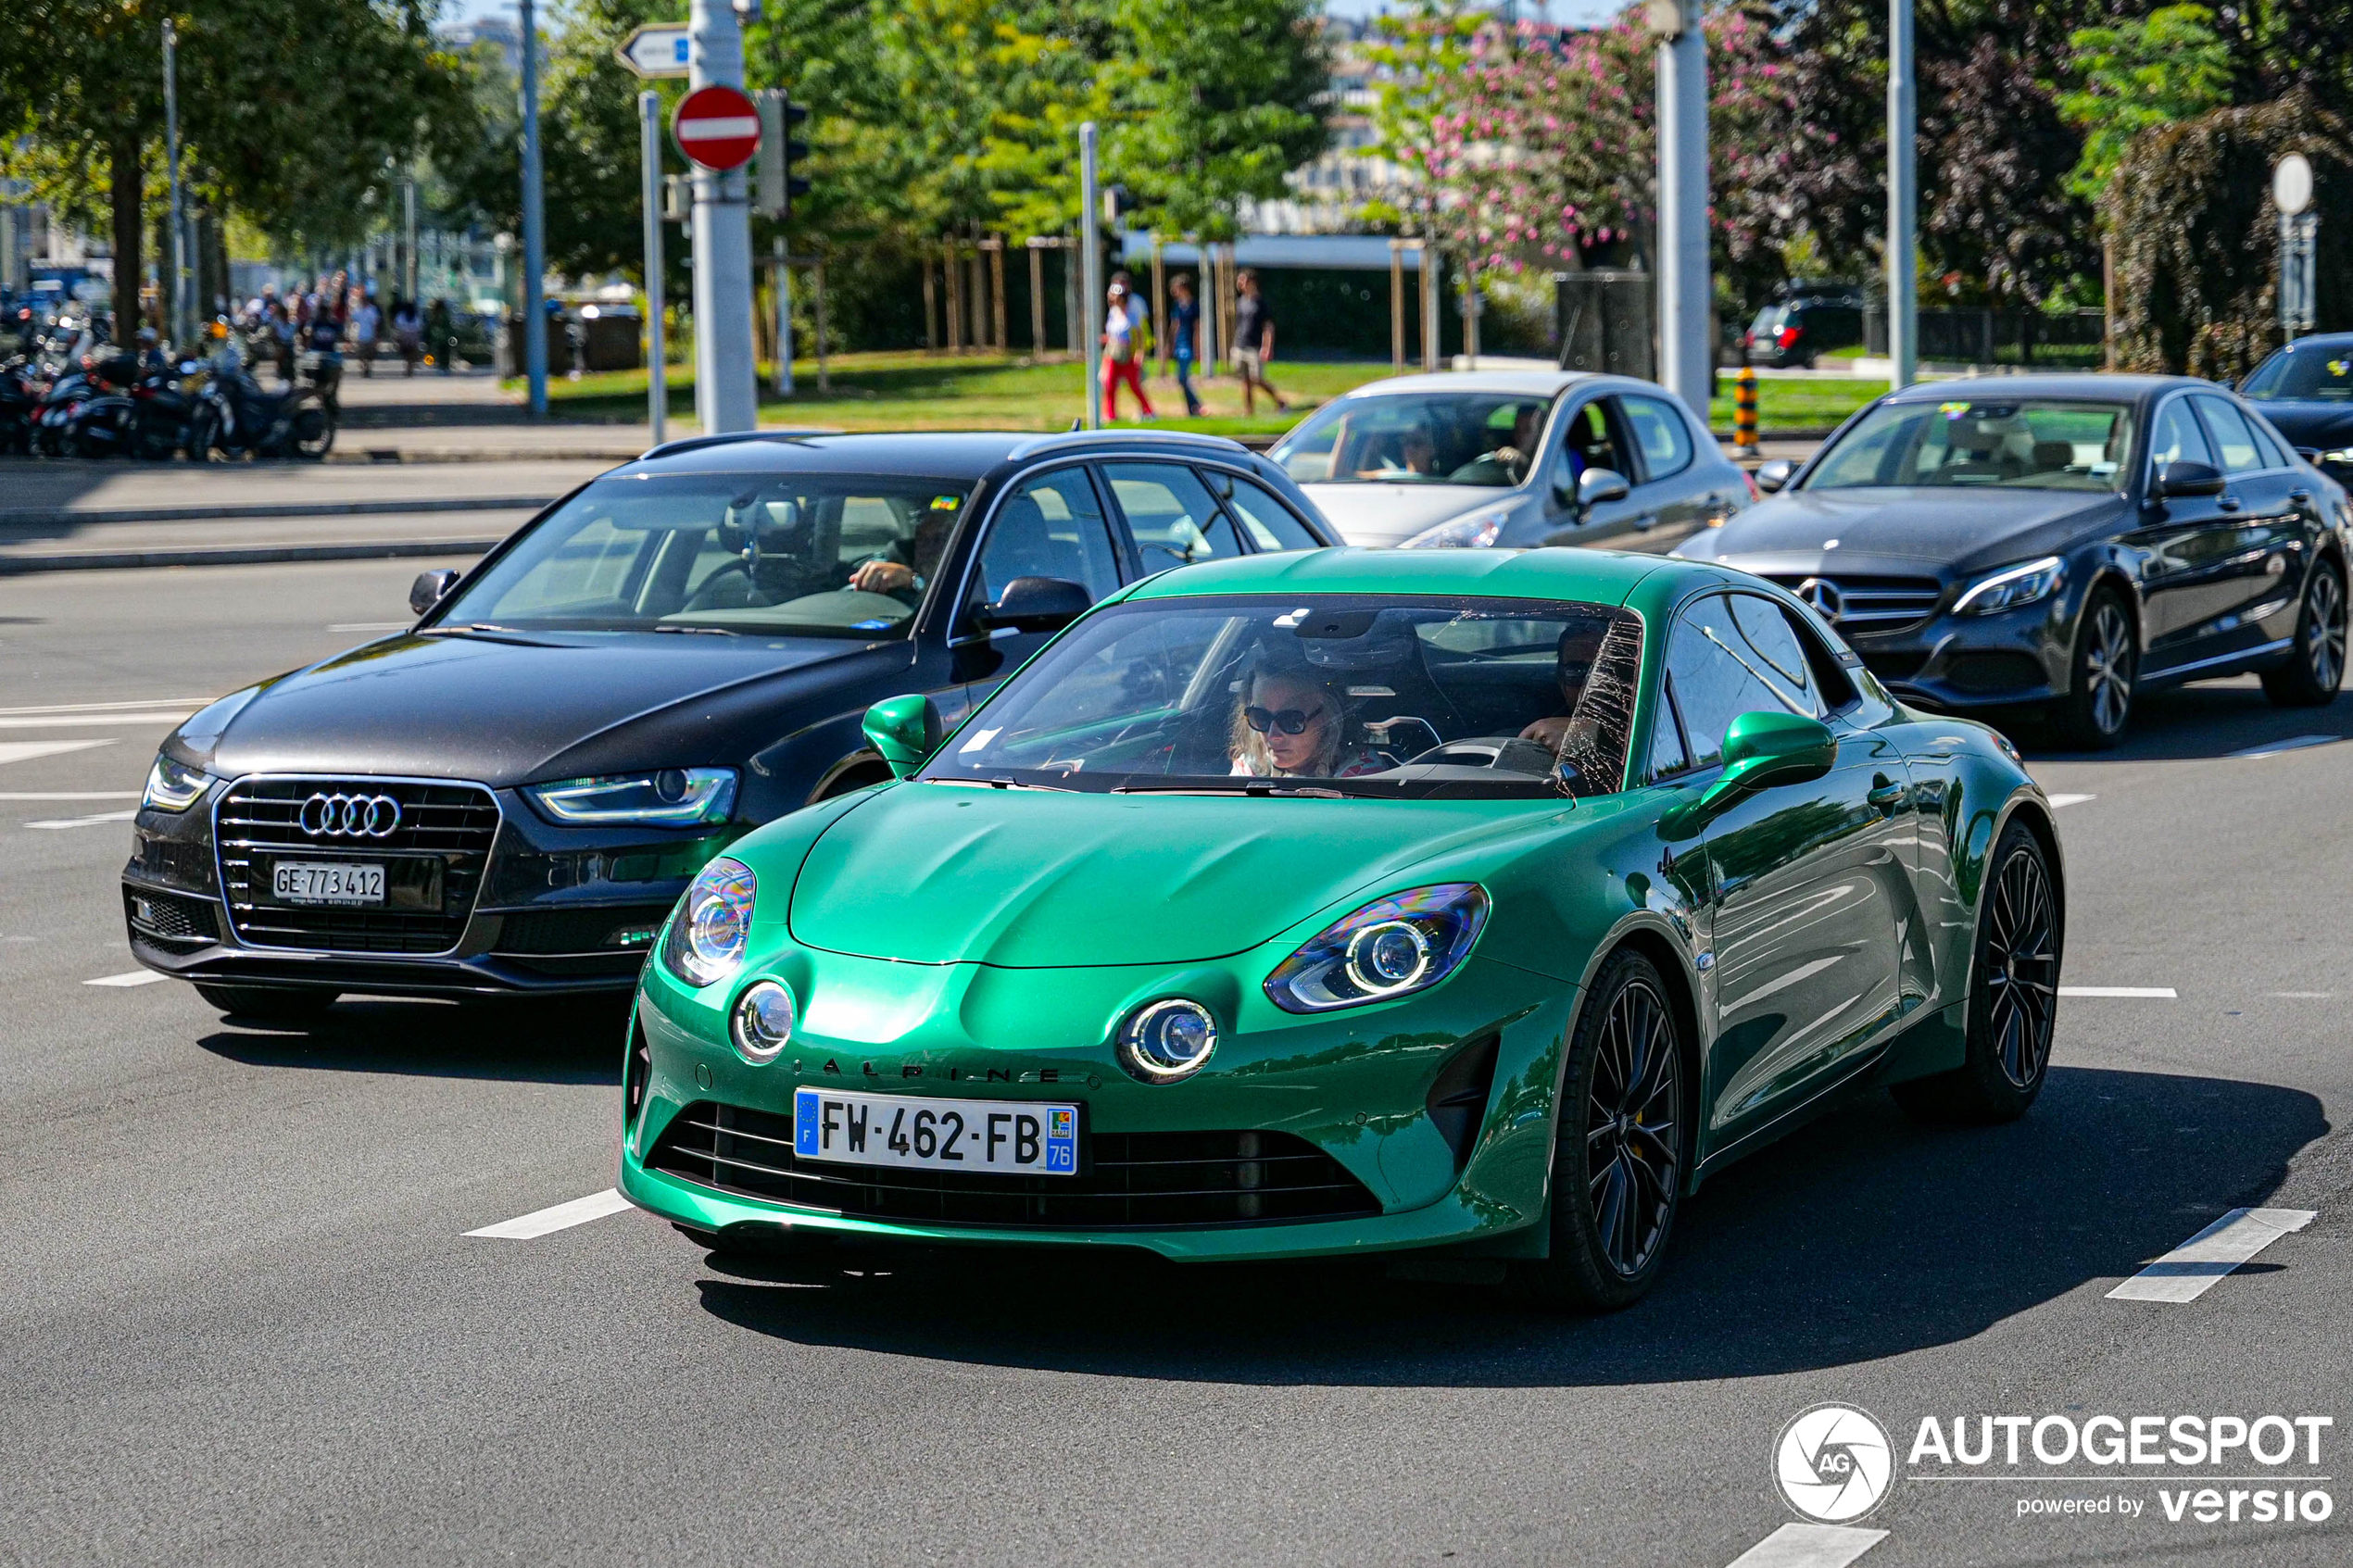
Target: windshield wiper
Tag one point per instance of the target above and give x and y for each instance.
(1000, 783)
(488, 632)
(1239, 787)
(700, 631)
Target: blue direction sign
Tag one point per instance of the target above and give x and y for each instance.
(656, 50)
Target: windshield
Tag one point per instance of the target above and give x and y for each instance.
(2016, 444)
(828, 556)
(2314, 373)
(1485, 438)
(1354, 695)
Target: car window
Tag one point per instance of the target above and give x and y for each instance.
(2242, 449)
(1483, 438)
(1050, 527)
(1270, 524)
(1667, 756)
(1718, 677)
(1660, 431)
(2176, 437)
(2320, 374)
(1771, 637)
(1171, 514)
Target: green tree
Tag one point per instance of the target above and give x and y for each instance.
(2152, 70)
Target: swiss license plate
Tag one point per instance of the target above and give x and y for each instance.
(1008, 1137)
(327, 882)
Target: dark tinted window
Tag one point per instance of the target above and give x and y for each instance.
(1718, 676)
(2176, 437)
(1660, 431)
(1270, 524)
(1050, 527)
(1170, 512)
(2242, 451)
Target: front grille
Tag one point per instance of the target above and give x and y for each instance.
(168, 917)
(450, 823)
(1130, 1180)
(1869, 604)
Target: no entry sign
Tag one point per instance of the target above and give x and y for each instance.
(717, 127)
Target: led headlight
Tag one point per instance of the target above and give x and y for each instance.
(2013, 587)
(1473, 532)
(763, 1020)
(708, 934)
(665, 797)
(1392, 946)
(1166, 1040)
(173, 786)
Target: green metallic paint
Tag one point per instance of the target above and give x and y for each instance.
(936, 932)
(903, 731)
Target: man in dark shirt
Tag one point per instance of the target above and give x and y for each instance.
(1254, 344)
(1184, 336)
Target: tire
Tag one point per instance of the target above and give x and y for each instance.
(2315, 670)
(268, 1003)
(313, 432)
(2098, 703)
(2013, 997)
(204, 436)
(1621, 1145)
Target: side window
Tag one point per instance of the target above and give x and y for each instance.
(1660, 431)
(2177, 438)
(1171, 514)
(1774, 641)
(1718, 677)
(1270, 523)
(1667, 756)
(2241, 453)
(1050, 527)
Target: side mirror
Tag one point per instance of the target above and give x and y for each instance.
(2188, 479)
(905, 730)
(1773, 476)
(1767, 748)
(1599, 486)
(2309, 454)
(430, 589)
(1038, 604)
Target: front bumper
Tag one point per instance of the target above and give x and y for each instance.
(1356, 1085)
(2012, 658)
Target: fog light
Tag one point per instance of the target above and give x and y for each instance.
(764, 1017)
(1167, 1040)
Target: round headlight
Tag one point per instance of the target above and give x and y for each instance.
(764, 1017)
(706, 941)
(1388, 957)
(1167, 1040)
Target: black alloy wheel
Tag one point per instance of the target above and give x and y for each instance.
(204, 436)
(1617, 1159)
(2316, 669)
(2013, 999)
(314, 431)
(2099, 699)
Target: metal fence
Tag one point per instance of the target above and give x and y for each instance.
(1999, 337)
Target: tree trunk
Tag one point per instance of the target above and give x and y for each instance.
(126, 177)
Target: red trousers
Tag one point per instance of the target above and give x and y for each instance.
(1130, 375)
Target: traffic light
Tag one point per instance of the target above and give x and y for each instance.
(778, 153)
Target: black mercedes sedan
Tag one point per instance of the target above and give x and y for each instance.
(508, 797)
(2306, 389)
(2060, 543)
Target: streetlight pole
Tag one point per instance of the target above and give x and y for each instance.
(1090, 262)
(1687, 351)
(178, 294)
(534, 252)
(1903, 204)
(726, 380)
(657, 362)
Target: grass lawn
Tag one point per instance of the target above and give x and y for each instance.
(913, 391)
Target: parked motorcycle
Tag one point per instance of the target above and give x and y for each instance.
(234, 418)
(20, 390)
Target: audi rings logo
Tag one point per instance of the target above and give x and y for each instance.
(1833, 1463)
(1823, 595)
(350, 816)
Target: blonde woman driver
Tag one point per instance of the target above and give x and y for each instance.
(1289, 726)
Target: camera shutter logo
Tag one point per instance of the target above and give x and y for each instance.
(1833, 1463)
(350, 816)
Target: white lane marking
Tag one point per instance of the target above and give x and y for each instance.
(2190, 1270)
(71, 795)
(56, 823)
(2155, 993)
(136, 977)
(1809, 1546)
(2294, 742)
(25, 751)
(371, 626)
(91, 721)
(563, 1216)
(189, 703)
(2306, 996)
(2059, 800)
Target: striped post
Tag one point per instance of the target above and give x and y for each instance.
(1744, 412)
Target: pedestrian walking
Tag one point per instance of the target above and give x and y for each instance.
(441, 334)
(365, 320)
(1255, 343)
(408, 333)
(1126, 338)
(1184, 336)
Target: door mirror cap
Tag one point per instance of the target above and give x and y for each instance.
(905, 730)
(430, 589)
(2188, 479)
(1599, 486)
(1038, 604)
(1767, 748)
(1772, 477)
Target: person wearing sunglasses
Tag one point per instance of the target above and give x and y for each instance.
(1291, 725)
(1579, 647)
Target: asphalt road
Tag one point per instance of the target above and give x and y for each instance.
(244, 1323)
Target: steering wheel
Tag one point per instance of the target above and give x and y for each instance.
(701, 598)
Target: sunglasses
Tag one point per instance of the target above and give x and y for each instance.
(1291, 720)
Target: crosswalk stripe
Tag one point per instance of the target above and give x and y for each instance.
(563, 1216)
(25, 751)
(1809, 1546)
(2190, 1270)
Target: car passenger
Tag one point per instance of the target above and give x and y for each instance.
(1579, 648)
(1289, 724)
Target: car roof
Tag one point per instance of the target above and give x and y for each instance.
(2085, 385)
(1540, 382)
(944, 453)
(1554, 573)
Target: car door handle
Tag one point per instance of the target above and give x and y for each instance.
(2228, 503)
(1886, 797)
(2299, 497)
(1645, 522)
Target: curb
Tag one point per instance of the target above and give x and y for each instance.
(52, 517)
(238, 555)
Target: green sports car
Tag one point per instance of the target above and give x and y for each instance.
(1353, 901)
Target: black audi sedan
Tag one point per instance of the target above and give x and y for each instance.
(508, 797)
(2059, 543)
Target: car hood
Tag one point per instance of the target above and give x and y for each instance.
(2327, 426)
(1906, 528)
(506, 712)
(1391, 514)
(1033, 879)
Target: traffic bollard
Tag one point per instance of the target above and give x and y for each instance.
(1744, 412)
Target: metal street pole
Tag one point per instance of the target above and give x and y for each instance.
(177, 296)
(657, 360)
(408, 240)
(727, 381)
(1903, 201)
(534, 254)
(1090, 261)
(1686, 352)
(783, 319)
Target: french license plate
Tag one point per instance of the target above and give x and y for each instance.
(327, 882)
(1008, 1137)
